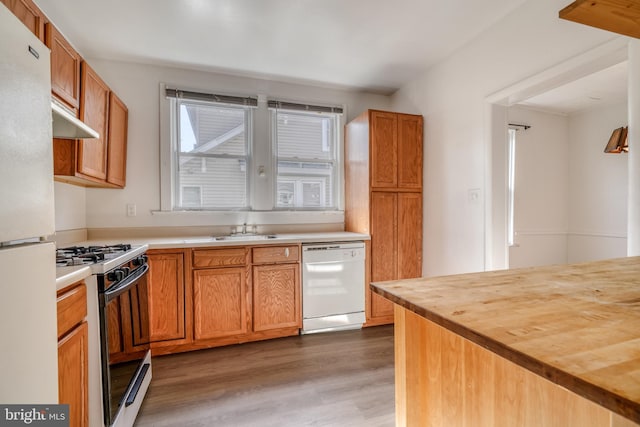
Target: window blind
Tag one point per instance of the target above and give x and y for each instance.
(211, 97)
(303, 107)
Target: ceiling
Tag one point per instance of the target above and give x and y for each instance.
(372, 45)
(605, 87)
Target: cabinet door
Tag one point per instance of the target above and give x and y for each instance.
(30, 15)
(73, 373)
(166, 296)
(92, 159)
(117, 145)
(409, 151)
(219, 302)
(65, 68)
(384, 149)
(384, 222)
(276, 296)
(409, 235)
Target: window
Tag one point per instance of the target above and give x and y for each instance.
(511, 188)
(227, 153)
(306, 151)
(191, 196)
(211, 152)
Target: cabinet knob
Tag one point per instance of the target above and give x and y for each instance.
(286, 252)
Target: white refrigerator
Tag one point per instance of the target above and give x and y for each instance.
(28, 331)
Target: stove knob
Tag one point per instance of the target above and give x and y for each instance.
(116, 275)
(126, 271)
(141, 260)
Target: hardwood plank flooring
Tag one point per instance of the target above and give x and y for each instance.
(329, 379)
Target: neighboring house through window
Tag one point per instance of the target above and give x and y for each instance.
(306, 150)
(211, 155)
(211, 152)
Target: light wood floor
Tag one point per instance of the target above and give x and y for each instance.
(330, 379)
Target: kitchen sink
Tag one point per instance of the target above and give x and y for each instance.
(246, 237)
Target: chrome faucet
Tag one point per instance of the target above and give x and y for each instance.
(245, 229)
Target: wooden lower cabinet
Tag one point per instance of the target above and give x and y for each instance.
(220, 302)
(73, 350)
(167, 293)
(73, 372)
(384, 249)
(209, 297)
(276, 297)
(396, 245)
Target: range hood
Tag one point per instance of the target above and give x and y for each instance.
(66, 126)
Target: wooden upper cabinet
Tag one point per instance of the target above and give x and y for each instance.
(65, 69)
(94, 109)
(117, 141)
(409, 151)
(384, 149)
(396, 150)
(30, 15)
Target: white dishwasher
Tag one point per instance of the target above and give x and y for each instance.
(332, 286)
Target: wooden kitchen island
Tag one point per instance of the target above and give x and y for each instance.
(544, 346)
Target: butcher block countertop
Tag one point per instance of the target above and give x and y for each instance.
(575, 325)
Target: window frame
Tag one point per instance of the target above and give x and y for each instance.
(336, 161)
(511, 186)
(176, 204)
(262, 191)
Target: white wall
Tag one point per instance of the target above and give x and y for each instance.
(70, 206)
(541, 189)
(451, 96)
(598, 182)
(139, 87)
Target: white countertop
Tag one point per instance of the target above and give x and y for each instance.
(66, 276)
(210, 241)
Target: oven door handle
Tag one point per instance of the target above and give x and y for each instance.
(127, 283)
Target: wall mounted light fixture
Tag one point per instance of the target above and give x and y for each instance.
(618, 141)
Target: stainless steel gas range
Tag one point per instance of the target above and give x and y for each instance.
(121, 275)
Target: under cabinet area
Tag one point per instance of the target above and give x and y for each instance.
(73, 350)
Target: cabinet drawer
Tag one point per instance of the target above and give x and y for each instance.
(276, 254)
(229, 257)
(72, 308)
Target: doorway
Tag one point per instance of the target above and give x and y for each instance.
(568, 198)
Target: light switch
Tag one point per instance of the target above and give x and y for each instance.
(473, 196)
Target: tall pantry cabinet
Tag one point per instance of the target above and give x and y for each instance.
(383, 177)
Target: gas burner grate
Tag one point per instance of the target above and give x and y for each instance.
(86, 255)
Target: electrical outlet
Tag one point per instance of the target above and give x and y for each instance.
(473, 196)
(131, 209)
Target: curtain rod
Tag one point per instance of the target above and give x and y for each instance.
(515, 125)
